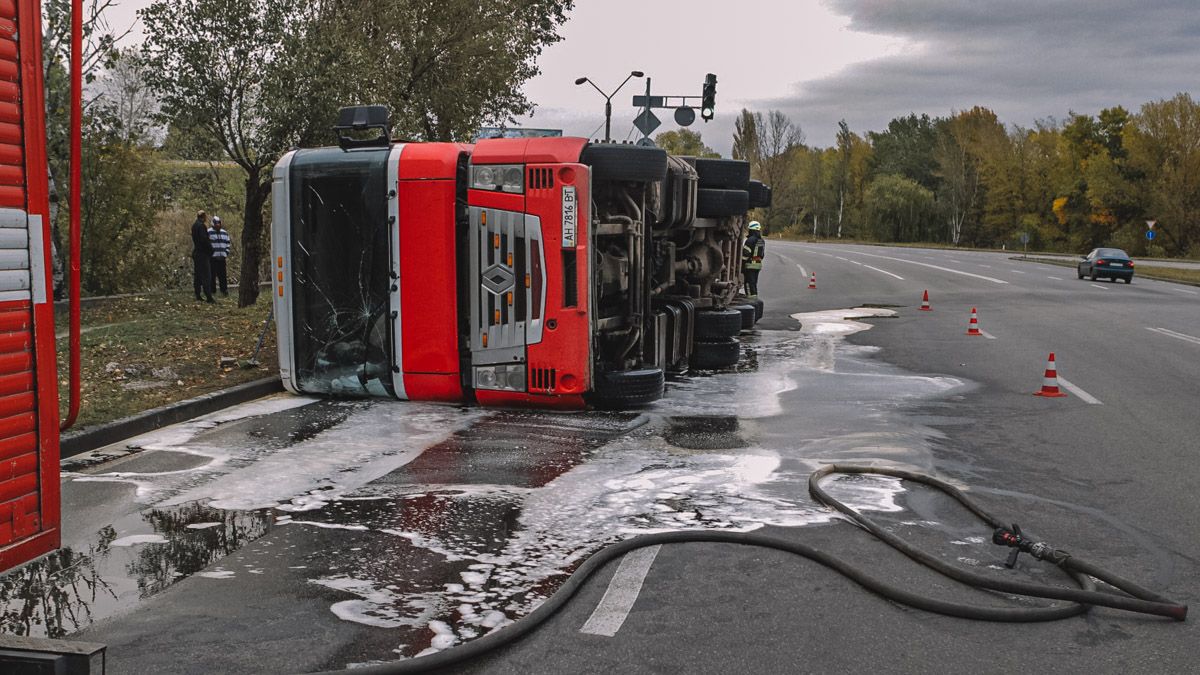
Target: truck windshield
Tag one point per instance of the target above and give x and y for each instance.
(340, 260)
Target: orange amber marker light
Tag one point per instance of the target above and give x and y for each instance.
(281, 276)
(496, 240)
(281, 291)
(528, 281)
(497, 317)
(485, 339)
(483, 217)
(279, 261)
(509, 298)
(510, 258)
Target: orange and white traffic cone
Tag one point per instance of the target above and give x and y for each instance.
(812, 281)
(973, 327)
(1050, 381)
(925, 302)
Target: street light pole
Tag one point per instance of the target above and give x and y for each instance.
(608, 101)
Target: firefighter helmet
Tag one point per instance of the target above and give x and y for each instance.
(755, 226)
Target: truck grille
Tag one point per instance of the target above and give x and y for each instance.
(541, 179)
(542, 379)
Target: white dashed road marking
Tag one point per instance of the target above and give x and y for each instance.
(1102, 286)
(936, 267)
(883, 271)
(622, 592)
(1055, 278)
(1087, 398)
(1177, 336)
(802, 272)
(1184, 290)
(1015, 271)
(988, 335)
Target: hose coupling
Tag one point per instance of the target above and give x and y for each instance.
(1014, 539)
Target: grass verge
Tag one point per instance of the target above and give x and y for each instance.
(149, 350)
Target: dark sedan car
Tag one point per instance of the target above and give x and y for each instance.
(1107, 262)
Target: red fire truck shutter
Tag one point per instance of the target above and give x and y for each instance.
(20, 479)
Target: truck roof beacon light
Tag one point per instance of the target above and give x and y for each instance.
(354, 121)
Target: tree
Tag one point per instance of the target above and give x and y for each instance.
(898, 207)
(210, 63)
(127, 99)
(684, 142)
(1164, 144)
(907, 148)
(778, 140)
(444, 67)
(745, 136)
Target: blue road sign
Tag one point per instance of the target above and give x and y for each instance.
(1150, 234)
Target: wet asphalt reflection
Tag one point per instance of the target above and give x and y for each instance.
(424, 526)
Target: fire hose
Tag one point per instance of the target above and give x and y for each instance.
(1134, 598)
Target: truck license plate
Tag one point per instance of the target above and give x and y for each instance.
(568, 217)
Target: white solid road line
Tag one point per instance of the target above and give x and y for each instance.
(1184, 290)
(883, 271)
(1177, 336)
(936, 267)
(622, 592)
(1087, 398)
(987, 335)
(802, 272)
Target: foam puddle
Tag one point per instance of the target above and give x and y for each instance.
(798, 400)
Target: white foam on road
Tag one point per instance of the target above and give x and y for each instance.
(136, 539)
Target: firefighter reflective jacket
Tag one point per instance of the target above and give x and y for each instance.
(753, 251)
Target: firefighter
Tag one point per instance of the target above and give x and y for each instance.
(752, 256)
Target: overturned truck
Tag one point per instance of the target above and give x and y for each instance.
(548, 272)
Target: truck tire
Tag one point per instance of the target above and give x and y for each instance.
(716, 354)
(723, 174)
(721, 203)
(759, 306)
(760, 194)
(620, 389)
(631, 163)
(715, 324)
(748, 315)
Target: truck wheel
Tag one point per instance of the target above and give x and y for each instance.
(760, 194)
(715, 354)
(724, 174)
(717, 323)
(625, 162)
(759, 306)
(748, 315)
(721, 203)
(628, 388)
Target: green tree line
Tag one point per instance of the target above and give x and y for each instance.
(970, 180)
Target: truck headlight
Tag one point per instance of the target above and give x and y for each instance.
(507, 377)
(498, 177)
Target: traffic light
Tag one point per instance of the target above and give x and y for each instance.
(708, 103)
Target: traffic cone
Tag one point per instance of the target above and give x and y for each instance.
(812, 281)
(973, 327)
(925, 303)
(1050, 381)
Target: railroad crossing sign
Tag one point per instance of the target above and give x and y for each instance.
(646, 122)
(1150, 235)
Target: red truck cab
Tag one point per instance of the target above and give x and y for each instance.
(435, 271)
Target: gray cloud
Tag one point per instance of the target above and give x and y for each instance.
(1025, 59)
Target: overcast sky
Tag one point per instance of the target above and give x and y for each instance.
(863, 60)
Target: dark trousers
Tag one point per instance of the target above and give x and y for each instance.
(219, 276)
(751, 281)
(202, 278)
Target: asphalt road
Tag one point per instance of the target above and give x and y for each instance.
(360, 524)
(1113, 481)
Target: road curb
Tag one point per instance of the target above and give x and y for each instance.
(77, 442)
